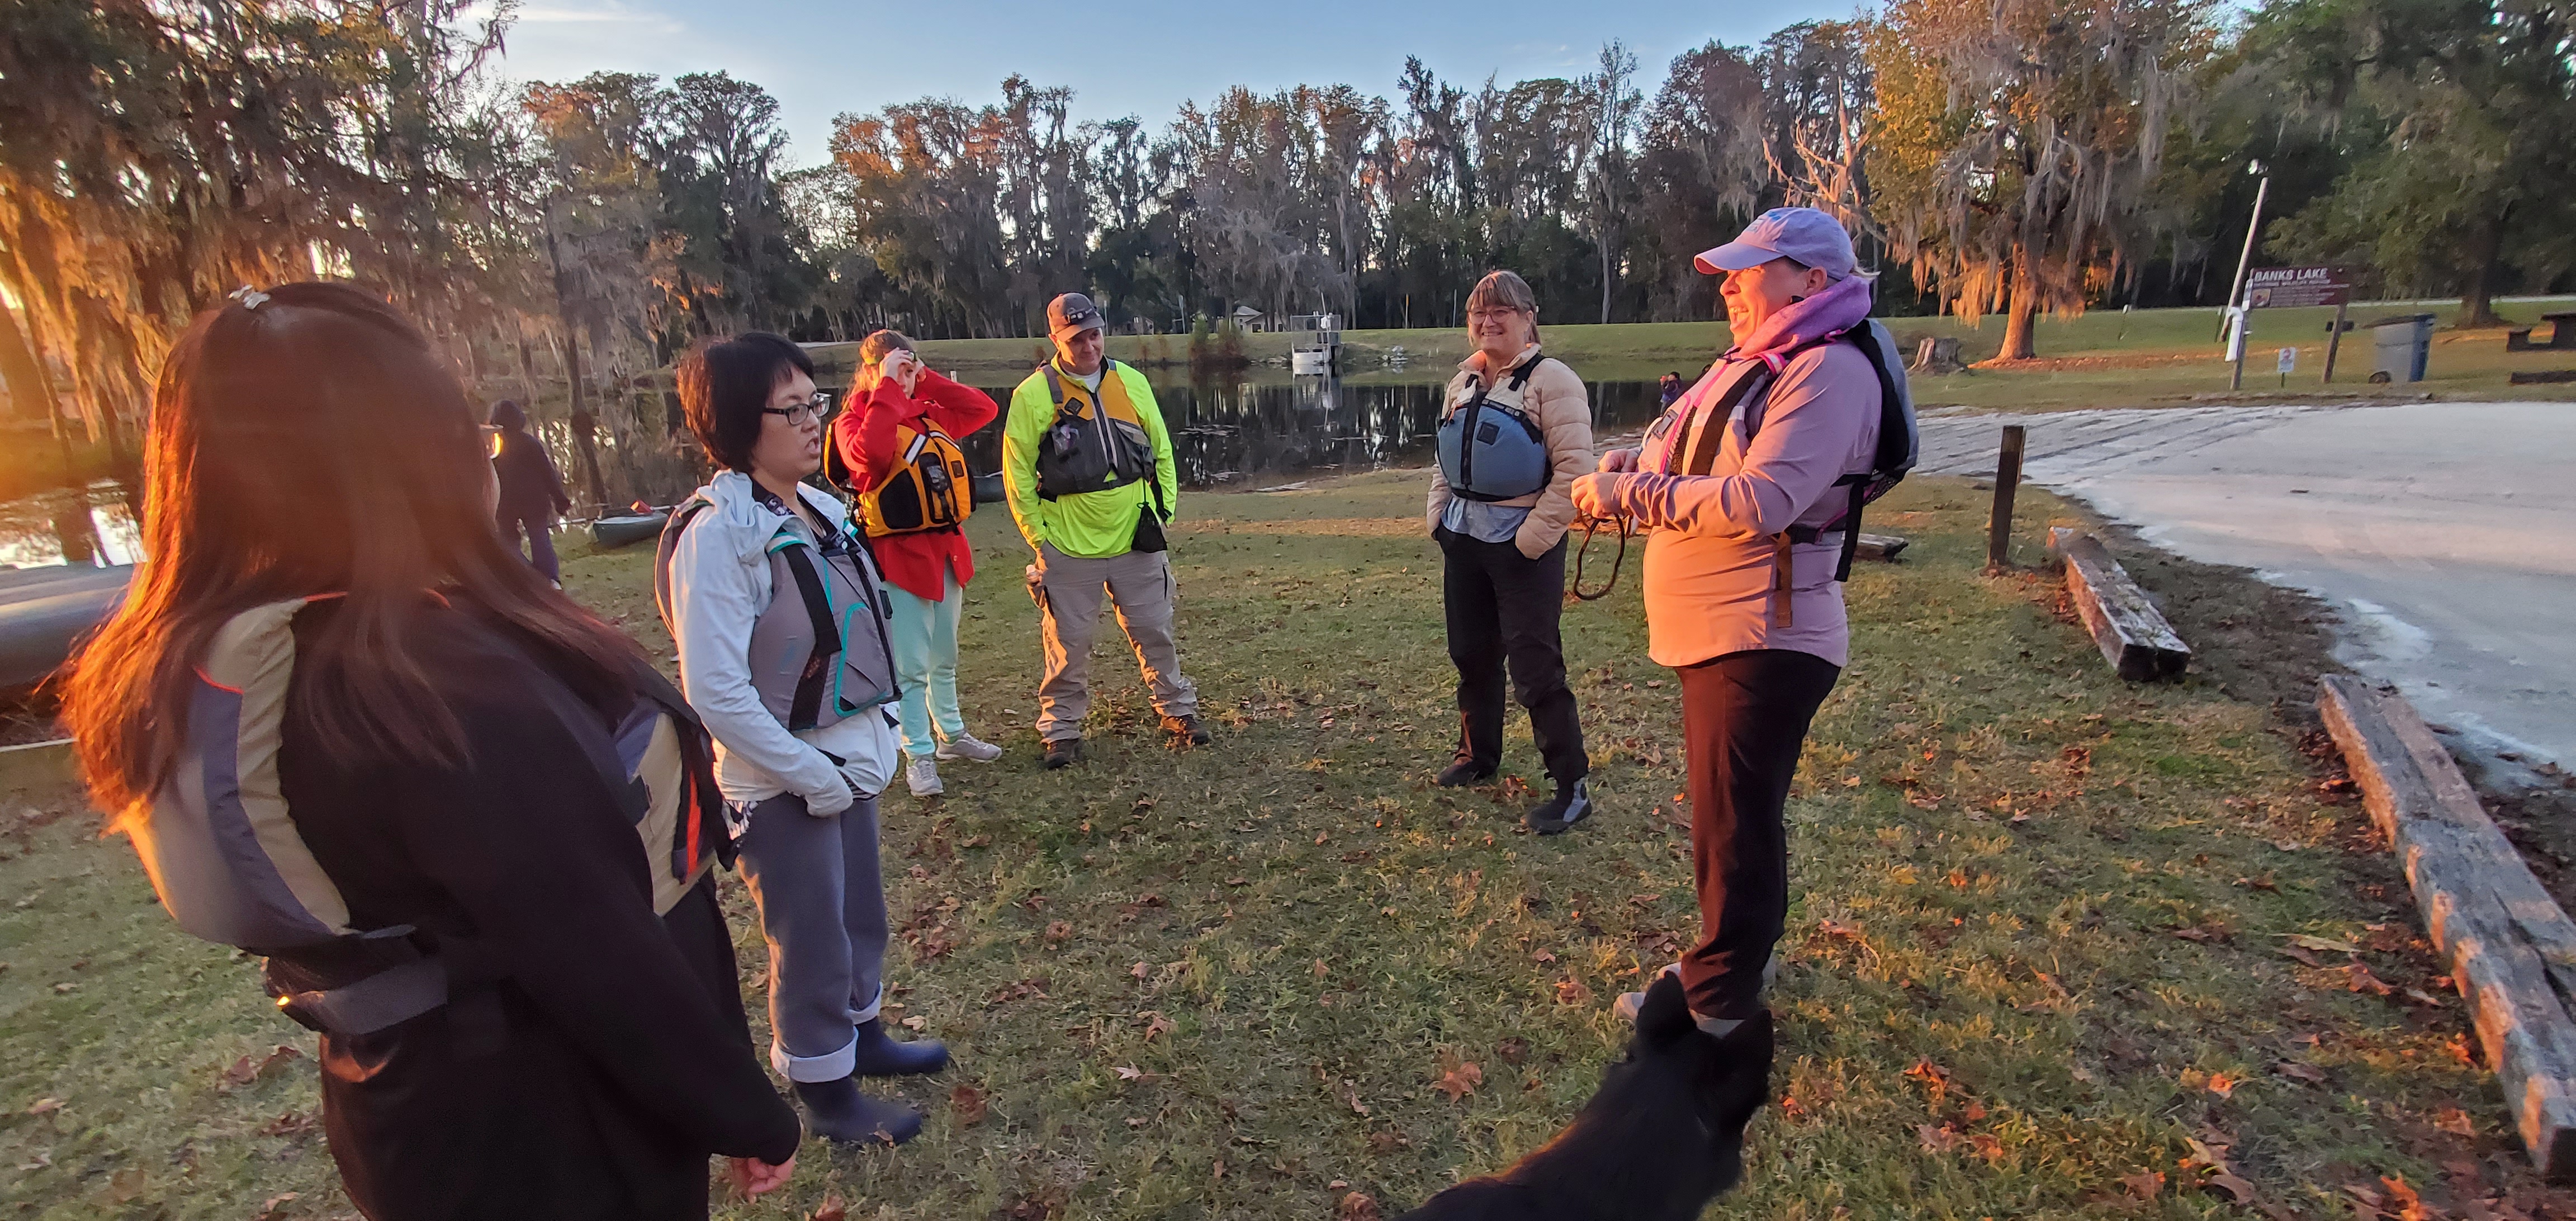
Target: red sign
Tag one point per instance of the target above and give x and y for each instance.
(2287, 287)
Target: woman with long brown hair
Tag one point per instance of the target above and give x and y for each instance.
(574, 1055)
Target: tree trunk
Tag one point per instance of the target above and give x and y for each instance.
(2021, 312)
(581, 421)
(2477, 304)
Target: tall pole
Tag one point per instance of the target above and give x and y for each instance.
(2252, 227)
(2334, 340)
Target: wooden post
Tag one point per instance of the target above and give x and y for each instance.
(2511, 950)
(2334, 340)
(2007, 480)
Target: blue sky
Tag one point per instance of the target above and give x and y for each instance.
(1145, 57)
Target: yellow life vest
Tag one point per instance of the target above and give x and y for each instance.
(929, 490)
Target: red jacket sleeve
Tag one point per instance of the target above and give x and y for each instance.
(866, 436)
(960, 410)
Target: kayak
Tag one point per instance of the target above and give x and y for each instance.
(44, 612)
(610, 532)
(986, 489)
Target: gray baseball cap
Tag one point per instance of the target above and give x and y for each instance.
(1071, 315)
(1813, 238)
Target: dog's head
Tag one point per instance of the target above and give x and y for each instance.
(1683, 1094)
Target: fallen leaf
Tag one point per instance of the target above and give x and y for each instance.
(1138, 971)
(1936, 1138)
(1572, 992)
(1356, 1207)
(1059, 932)
(2456, 1121)
(915, 1023)
(1460, 1081)
(2237, 1190)
(1986, 1146)
(1542, 957)
(831, 1209)
(2358, 978)
(1129, 1074)
(246, 1070)
(1156, 1025)
(274, 1207)
(2221, 1084)
(968, 1103)
(2297, 1071)
(2145, 1184)
(2327, 945)
(1387, 1142)
(1513, 1050)
(2302, 955)
(2409, 1206)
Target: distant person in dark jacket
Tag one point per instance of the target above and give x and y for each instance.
(532, 493)
(586, 1058)
(1669, 390)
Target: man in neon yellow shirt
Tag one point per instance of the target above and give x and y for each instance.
(1088, 465)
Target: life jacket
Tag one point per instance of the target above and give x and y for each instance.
(227, 862)
(930, 490)
(1093, 446)
(1899, 442)
(1490, 447)
(820, 652)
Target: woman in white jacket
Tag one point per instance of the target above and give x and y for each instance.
(779, 618)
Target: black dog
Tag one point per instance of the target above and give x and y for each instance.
(1661, 1138)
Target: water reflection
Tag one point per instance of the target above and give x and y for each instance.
(1264, 429)
(93, 525)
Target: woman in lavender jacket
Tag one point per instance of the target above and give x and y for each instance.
(1736, 486)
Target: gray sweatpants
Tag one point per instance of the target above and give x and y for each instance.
(822, 909)
(1140, 584)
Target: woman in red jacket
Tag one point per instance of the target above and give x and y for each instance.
(901, 446)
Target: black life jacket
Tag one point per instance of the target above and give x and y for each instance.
(1091, 445)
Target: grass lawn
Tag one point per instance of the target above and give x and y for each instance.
(2104, 358)
(2036, 953)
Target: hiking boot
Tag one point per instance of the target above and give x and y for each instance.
(1186, 730)
(1557, 815)
(879, 1055)
(838, 1112)
(1061, 752)
(962, 745)
(1464, 773)
(922, 776)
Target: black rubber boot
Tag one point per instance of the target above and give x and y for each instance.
(1557, 815)
(1062, 752)
(1462, 774)
(880, 1056)
(1186, 730)
(838, 1112)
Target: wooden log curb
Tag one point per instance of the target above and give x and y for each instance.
(2132, 633)
(37, 766)
(2511, 949)
(1880, 547)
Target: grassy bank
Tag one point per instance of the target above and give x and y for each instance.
(2037, 948)
(2104, 358)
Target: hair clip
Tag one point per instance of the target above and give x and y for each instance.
(250, 298)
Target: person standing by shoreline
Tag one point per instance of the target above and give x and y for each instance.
(532, 491)
(779, 619)
(901, 452)
(1514, 436)
(1088, 466)
(1738, 487)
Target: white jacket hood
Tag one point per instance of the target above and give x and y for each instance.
(735, 514)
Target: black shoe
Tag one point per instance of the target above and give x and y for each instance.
(1557, 815)
(1062, 751)
(838, 1112)
(1186, 729)
(1463, 773)
(879, 1055)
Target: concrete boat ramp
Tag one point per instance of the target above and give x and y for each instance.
(2443, 533)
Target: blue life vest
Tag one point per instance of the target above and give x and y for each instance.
(1490, 448)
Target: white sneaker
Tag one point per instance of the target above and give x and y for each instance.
(964, 746)
(923, 776)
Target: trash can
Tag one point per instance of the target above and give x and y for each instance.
(2399, 346)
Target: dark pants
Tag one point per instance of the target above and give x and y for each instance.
(541, 541)
(1744, 719)
(1502, 608)
(821, 892)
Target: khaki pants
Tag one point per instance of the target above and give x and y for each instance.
(1069, 594)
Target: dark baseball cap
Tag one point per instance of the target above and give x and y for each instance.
(1071, 315)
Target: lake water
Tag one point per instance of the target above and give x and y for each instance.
(1243, 432)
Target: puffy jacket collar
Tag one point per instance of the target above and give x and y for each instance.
(736, 514)
(1474, 365)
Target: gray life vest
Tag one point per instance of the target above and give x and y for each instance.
(1490, 447)
(820, 652)
(1097, 450)
(227, 862)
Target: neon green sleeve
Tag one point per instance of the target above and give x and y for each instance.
(1030, 412)
(1167, 473)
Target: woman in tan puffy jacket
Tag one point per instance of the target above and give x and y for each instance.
(1501, 531)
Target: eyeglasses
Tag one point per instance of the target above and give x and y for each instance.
(818, 407)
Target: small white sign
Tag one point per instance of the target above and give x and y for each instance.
(2289, 360)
